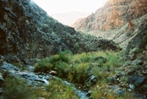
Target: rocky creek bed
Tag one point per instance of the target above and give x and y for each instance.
(35, 79)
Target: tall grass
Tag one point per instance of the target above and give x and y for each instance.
(77, 68)
(58, 90)
(16, 89)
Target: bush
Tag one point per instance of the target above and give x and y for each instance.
(77, 68)
(58, 90)
(16, 89)
(43, 66)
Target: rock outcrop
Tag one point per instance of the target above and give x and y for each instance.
(27, 32)
(135, 56)
(115, 20)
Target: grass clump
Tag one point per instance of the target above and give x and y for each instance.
(57, 90)
(102, 90)
(43, 66)
(16, 89)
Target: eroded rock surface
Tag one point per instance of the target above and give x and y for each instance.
(27, 32)
(116, 20)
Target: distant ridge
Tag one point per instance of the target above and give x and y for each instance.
(69, 18)
(113, 20)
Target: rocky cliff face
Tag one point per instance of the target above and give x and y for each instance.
(114, 18)
(136, 60)
(27, 32)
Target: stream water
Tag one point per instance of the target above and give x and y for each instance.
(30, 77)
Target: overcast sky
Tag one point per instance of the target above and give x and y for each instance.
(61, 6)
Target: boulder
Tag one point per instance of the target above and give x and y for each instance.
(136, 80)
(9, 67)
(91, 81)
(137, 62)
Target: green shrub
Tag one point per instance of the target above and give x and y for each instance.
(81, 72)
(54, 59)
(63, 57)
(76, 46)
(77, 68)
(58, 90)
(16, 89)
(43, 66)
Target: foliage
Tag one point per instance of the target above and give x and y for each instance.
(77, 68)
(76, 46)
(43, 66)
(16, 89)
(101, 91)
(58, 90)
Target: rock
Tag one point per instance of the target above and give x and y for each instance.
(136, 80)
(30, 68)
(9, 67)
(39, 79)
(33, 77)
(119, 91)
(144, 72)
(40, 98)
(140, 96)
(30, 77)
(131, 86)
(137, 62)
(91, 81)
(138, 43)
(52, 72)
(1, 79)
(45, 36)
(30, 61)
(81, 94)
(89, 93)
(115, 20)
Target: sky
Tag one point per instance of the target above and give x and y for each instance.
(61, 6)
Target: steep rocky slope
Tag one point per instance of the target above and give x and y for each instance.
(135, 56)
(27, 32)
(116, 20)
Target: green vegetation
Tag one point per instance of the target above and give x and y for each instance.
(16, 89)
(58, 90)
(101, 90)
(55, 90)
(77, 68)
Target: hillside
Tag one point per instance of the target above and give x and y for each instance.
(115, 20)
(27, 32)
(40, 58)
